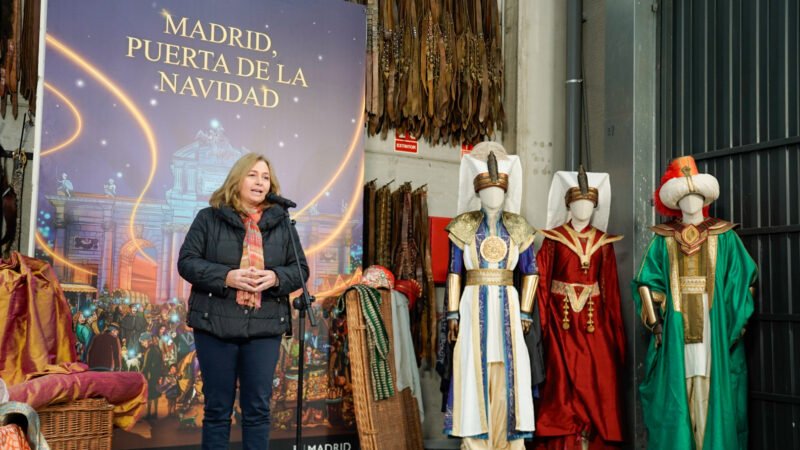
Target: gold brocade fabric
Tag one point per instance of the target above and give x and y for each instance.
(692, 276)
(577, 301)
(35, 319)
(689, 238)
(462, 229)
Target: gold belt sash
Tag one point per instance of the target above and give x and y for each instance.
(577, 301)
(568, 289)
(693, 285)
(490, 277)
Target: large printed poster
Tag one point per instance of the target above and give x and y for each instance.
(146, 107)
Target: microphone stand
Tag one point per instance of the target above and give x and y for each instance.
(301, 304)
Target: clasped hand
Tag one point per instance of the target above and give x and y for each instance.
(251, 279)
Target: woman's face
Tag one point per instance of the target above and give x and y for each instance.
(255, 185)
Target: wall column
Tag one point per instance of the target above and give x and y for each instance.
(538, 135)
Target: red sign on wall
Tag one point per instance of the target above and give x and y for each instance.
(405, 143)
(466, 149)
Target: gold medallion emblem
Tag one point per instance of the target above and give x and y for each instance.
(493, 249)
(690, 234)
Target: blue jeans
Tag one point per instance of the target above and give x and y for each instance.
(253, 362)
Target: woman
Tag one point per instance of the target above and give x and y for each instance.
(239, 260)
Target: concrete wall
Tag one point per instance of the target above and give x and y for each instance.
(540, 99)
(436, 166)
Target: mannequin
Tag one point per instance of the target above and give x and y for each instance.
(693, 294)
(492, 199)
(581, 211)
(490, 400)
(692, 209)
(582, 329)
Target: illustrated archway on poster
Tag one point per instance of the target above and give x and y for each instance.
(135, 272)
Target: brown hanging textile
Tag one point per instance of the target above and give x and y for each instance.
(29, 53)
(397, 219)
(9, 46)
(20, 161)
(494, 52)
(418, 314)
(410, 94)
(406, 252)
(9, 202)
(12, 192)
(397, 236)
(434, 69)
(383, 218)
(369, 234)
(445, 64)
(375, 78)
(391, 55)
(406, 264)
(424, 276)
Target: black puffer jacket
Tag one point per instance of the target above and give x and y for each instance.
(212, 248)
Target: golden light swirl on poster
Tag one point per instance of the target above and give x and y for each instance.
(40, 240)
(78, 128)
(75, 113)
(357, 133)
(351, 207)
(339, 288)
(140, 119)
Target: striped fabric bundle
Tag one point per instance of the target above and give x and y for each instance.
(252, 256)
(377, 341)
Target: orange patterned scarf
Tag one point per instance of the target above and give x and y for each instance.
(252, 256)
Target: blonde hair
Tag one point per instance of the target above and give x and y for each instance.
(228, 193)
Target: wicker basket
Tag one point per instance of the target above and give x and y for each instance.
(79, 425)
(390, 424)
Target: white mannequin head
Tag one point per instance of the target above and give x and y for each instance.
(492, 198)
(692, 207)
(691, 204)
(581, 210)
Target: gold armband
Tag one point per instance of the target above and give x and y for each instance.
(649, 318)
(453, 292)
(528, 295)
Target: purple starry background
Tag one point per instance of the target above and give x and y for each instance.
(305, 136)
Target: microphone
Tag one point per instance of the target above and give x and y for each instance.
(278, 200)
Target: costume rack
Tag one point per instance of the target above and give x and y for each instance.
(397, 236)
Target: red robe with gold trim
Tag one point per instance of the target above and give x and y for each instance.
(583, 339)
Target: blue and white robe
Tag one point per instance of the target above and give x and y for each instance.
(490, 330)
